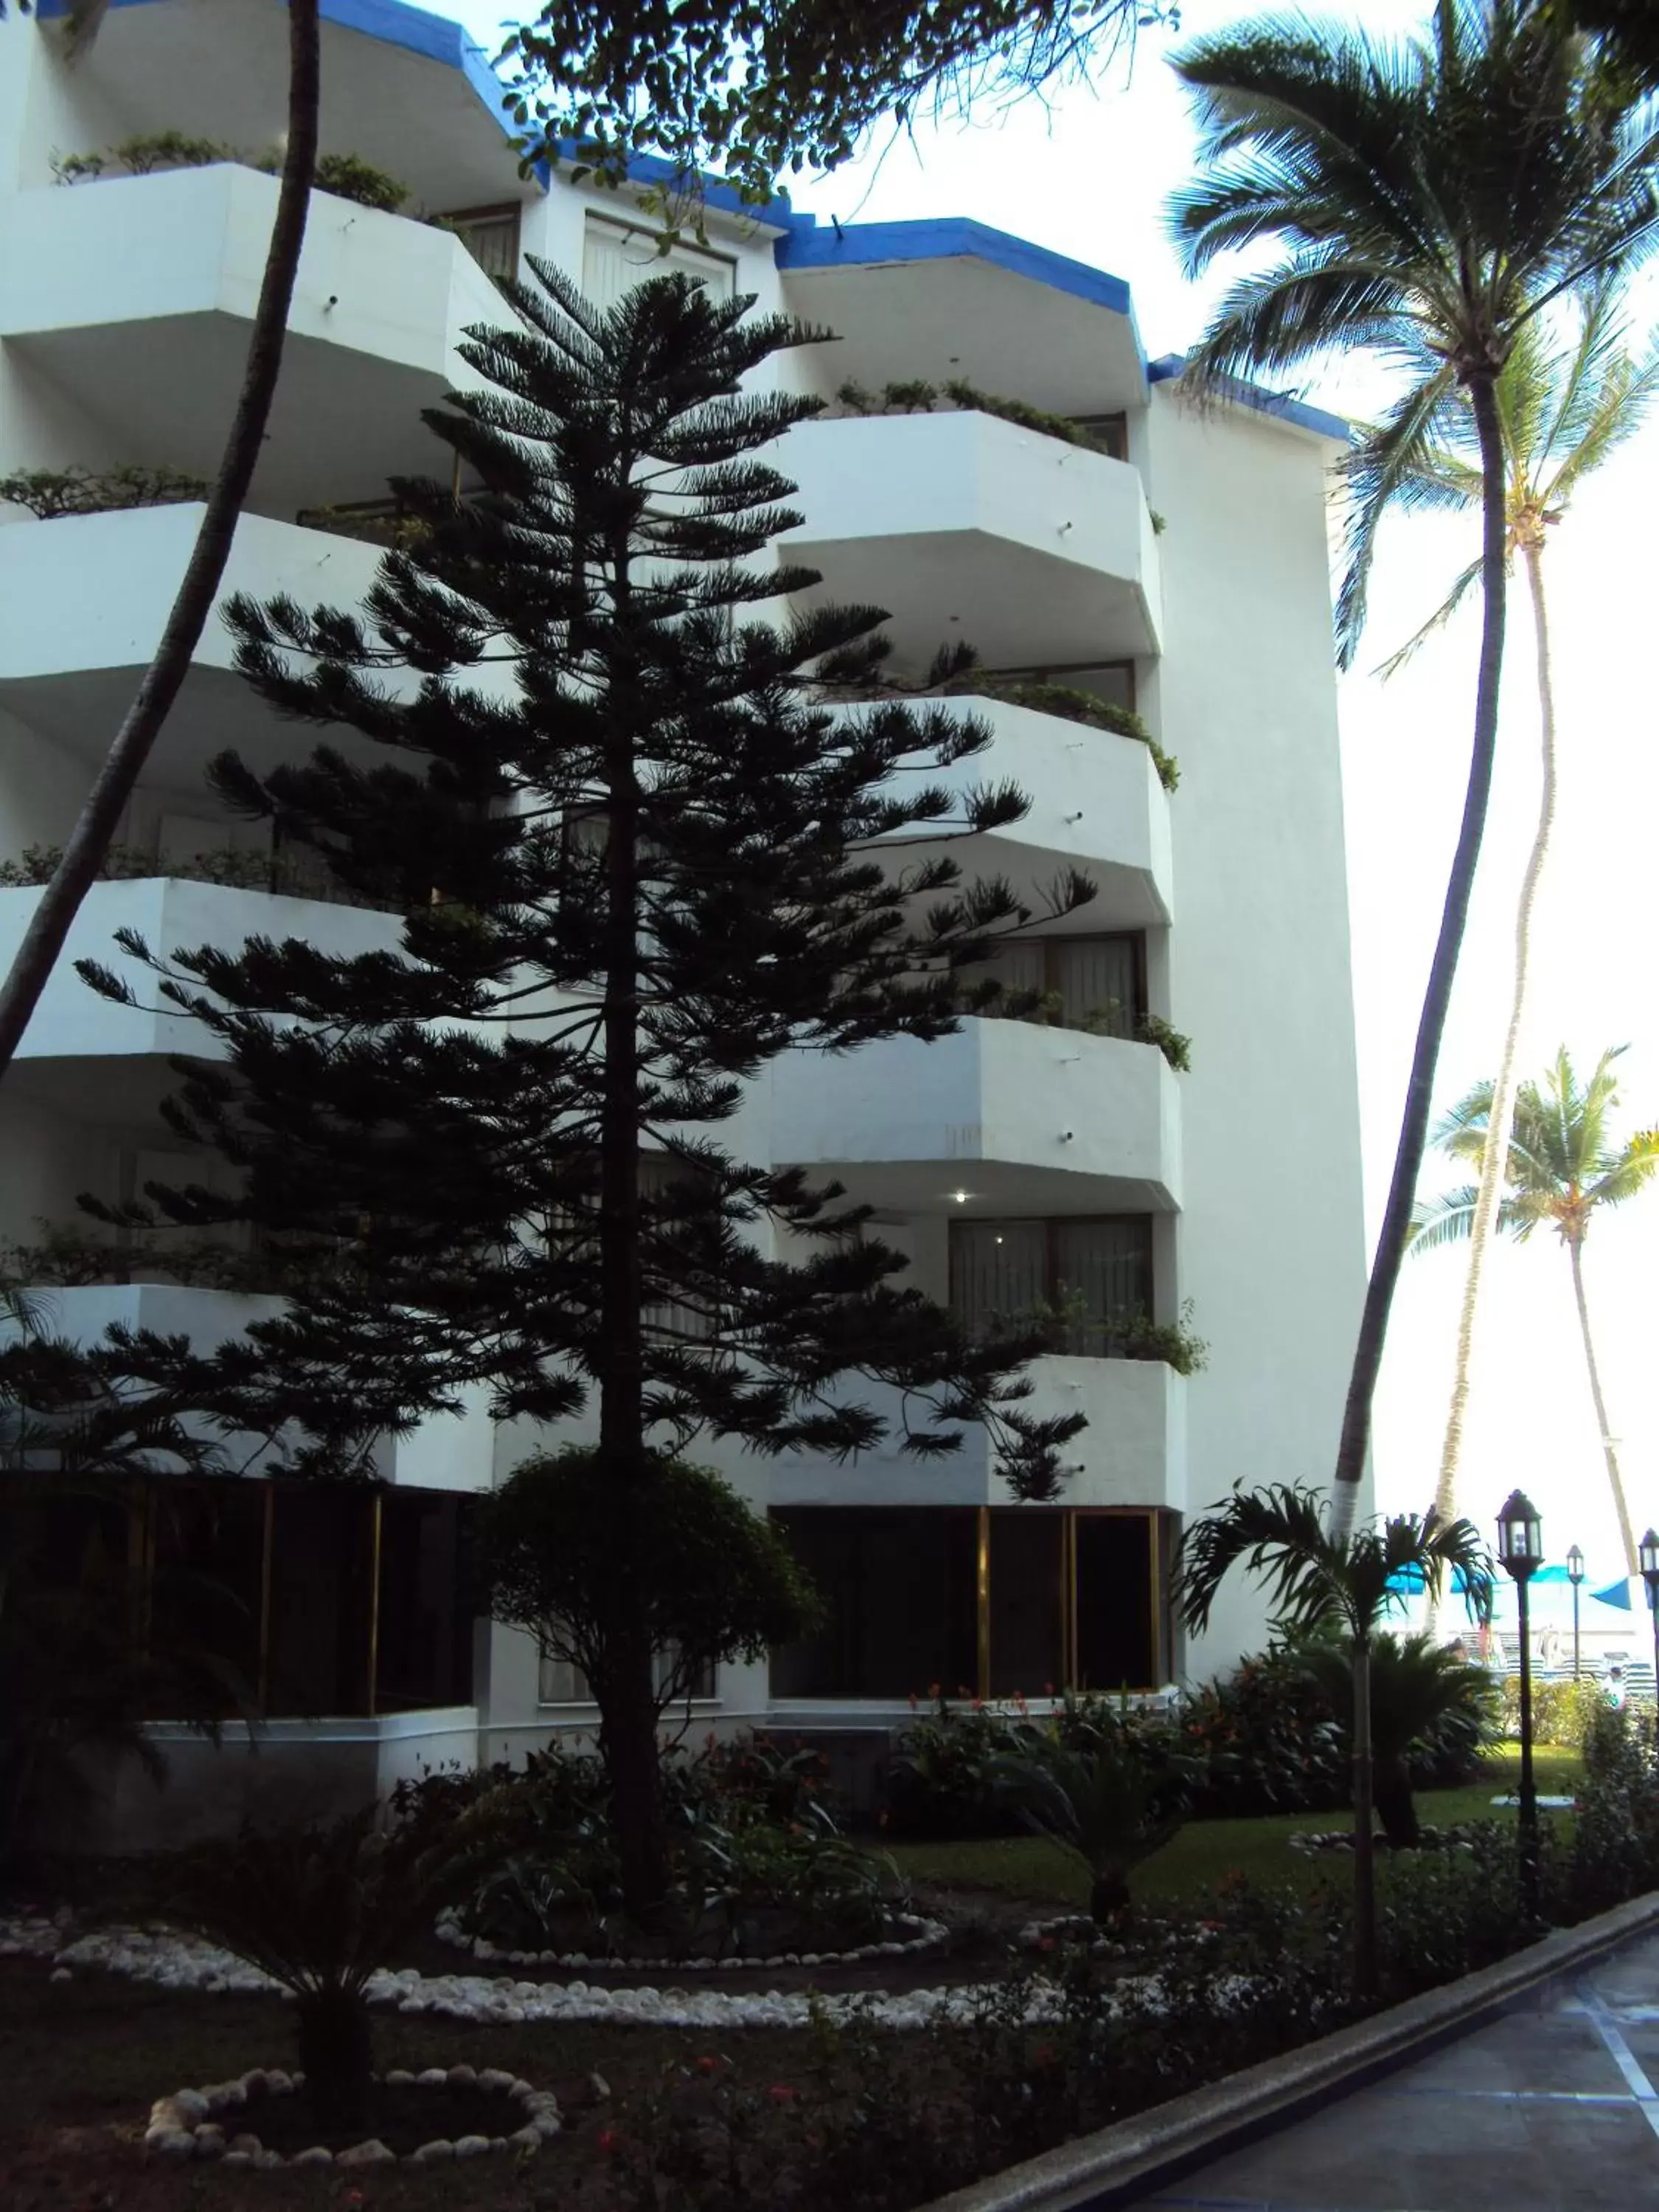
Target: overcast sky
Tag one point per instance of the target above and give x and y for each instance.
(1089, 176)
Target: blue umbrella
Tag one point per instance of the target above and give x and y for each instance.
(1408, 1582)
(1615, 1594)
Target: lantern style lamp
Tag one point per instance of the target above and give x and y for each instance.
(1648, 1553)
(1575, 1576)
(1521, 1553)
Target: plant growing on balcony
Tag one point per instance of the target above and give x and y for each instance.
(918, 398)
(50, 493)
(348, 176)
(238, 867)
(649, 780)
(1177, 1050)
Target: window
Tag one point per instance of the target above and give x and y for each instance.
(1088, 1273)
(562, 1682)
(1111, 431)
(1112, 681)
(665, 1255)
(1094, 983)
(998, 1601)
(490, 235)
(617, 256)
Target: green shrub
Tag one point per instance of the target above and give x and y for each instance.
(50, 493)
(1152, 1028)
(942, 1778)
(348, 176)
(1273, 1743)
(1562, 1712)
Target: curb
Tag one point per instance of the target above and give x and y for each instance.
(1093, 2173)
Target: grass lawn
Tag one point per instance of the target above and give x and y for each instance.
(1193, 1861)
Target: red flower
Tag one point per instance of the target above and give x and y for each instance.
(1045, 2054)
(1045, 1942)
(608, 2140)
(915, 1701)
(708, 2065)
(352, 2196)
(1047, 1689)
(783, 2093)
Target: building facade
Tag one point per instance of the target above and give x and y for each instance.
(1175, 564)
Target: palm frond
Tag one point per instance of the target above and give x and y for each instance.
(1443, 614)
(1447, 1219)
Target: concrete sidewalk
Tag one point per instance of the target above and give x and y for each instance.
(1552, 2108)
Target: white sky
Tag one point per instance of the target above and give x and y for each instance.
(1089, 178)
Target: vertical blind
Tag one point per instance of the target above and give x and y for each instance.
(1004, 1270)
(1096, 979)
(616, 257)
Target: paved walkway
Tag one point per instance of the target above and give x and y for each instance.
(1553, 2108)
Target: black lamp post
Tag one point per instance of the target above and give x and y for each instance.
(1521, 1553)
(1648, 1553)
(1575, 1576)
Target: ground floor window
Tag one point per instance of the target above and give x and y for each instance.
(994, 1601)
(309, 1599)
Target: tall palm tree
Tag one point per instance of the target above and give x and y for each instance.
(1562, 1168)
(1319, 1581)
(1564, 410)
(1428, 200)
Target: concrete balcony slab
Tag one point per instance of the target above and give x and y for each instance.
(971, 529)
(1025, 1120)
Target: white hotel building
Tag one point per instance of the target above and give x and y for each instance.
(1187, 576)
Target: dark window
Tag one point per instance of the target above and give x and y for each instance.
(898, 1586)
(1027, 1619)
(1087, 1275)
(425, 1635)
(1112, 681)
(1111, 431)
(490, 235)
(207, 1543)
(1093, 983)
(321, 1581)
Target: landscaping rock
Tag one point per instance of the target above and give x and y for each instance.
(317, 2155)
(471, 2146)
(432, 2077)
(496, 2078)
(250, 2145)
(209, 2142)
(372, 2153)
(171, 2142)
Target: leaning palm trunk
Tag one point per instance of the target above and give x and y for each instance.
(1489, 1194)
(90, 841)
(1616, 1480)
(1355, 1444)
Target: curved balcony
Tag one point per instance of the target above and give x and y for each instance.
(86, 598)
(449, 1451)
(78, 1041)
(1133, 1453)
(1030, 1120)
(133, 297)
(1035, 552)
(1096, 803)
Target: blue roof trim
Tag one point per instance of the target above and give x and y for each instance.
(1316, 419)
(955, 237)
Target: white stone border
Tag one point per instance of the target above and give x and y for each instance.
(929, 1935)
(174, 1961)
(191, 2123)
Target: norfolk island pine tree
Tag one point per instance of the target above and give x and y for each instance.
(1430, 199)
(629, 877)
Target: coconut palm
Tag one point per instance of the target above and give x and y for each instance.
(1563, 1167)
(1319, 1581)
(1564, 409)
(1428, 200)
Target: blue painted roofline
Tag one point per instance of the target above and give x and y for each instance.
(1316, 419)
(948, 238)
(806, 243)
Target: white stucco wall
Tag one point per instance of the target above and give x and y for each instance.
(1271, 1238)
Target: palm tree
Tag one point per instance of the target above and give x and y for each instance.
(1321, 1580)
(1562, 1168)
(1563, 410)
(1429, 200)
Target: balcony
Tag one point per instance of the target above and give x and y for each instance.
(132, 298)
(1133, 1451)
(1096, 804)
(77, 1040)
(450, 1451)
(1026, 1119)
(86, 597)
(966, 527)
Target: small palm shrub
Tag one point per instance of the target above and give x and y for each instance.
(1108, 1790)
(1432, 1716)
(321, 1911)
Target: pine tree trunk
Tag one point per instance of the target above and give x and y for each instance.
(627, 1708)
(90, 842)
(1355, 1443)
(1490, 1192)
(1616, 1481)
